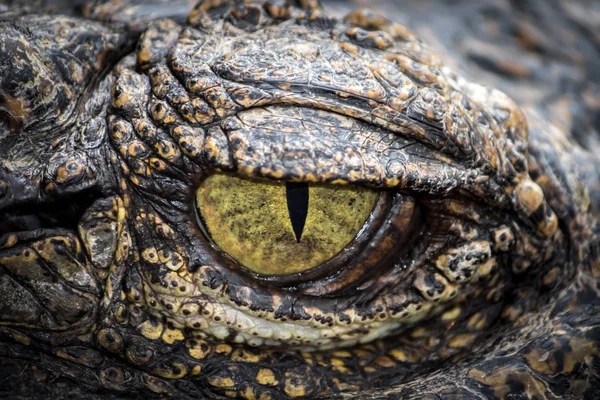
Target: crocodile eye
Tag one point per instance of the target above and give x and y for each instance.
(277, 228)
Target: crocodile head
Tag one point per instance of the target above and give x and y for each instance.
(268, 202)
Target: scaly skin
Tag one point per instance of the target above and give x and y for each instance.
(476, 275)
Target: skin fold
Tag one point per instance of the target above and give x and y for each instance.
(143, 144)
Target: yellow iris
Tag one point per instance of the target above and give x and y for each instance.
(249, 220)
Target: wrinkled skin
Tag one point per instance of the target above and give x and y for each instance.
(478, 277)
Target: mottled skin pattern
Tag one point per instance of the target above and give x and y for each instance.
(475, 277)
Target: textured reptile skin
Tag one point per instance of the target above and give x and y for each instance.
(476, 275)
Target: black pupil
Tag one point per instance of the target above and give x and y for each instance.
(296, 194)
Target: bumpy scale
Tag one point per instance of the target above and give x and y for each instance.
(476, 274)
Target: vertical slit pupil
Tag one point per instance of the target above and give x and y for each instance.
(296, 194)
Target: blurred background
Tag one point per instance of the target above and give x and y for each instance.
(543, 53)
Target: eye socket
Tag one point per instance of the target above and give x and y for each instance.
(276, 228)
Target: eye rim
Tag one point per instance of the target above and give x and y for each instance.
(321, 280)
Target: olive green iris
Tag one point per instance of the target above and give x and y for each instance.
(249, 220)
